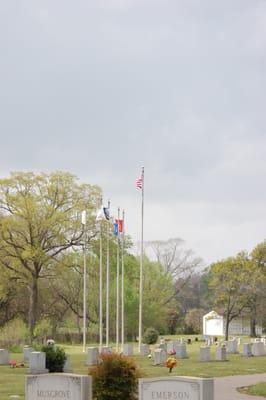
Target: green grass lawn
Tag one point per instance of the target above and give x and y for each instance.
(12, 381)
(255, 390)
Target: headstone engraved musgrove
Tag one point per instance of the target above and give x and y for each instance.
(58, 387)
(176, 388)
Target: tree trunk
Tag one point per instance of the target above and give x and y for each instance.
(33, 306)
(227, 327)
(253, 321)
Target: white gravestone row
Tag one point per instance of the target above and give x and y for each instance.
(79, 387)
(58, 387)
(4, 357)
(176, 388)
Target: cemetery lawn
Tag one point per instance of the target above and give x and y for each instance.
(12, 380)
(255, 390)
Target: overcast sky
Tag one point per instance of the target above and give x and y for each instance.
(100, 88)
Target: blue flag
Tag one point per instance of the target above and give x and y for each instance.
(115, 229)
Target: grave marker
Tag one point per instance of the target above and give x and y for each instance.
(176, 388)
(58, 387)
(37, 363)
(4, 357)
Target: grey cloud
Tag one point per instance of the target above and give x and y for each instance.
(101, 87)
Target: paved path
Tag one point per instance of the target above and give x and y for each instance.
(225, 388)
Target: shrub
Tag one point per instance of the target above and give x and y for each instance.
(150, 336)
(55, 358)
(115, 378)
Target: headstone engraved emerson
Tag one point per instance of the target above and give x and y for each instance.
(58, 387)
(176, 388)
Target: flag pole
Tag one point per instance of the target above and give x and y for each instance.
(101, 291)
(122, 282)
(141, 261)
(107, 278)
(117, 285)
(83, 222)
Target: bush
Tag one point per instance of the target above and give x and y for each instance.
(55, 358)
(115, 378)
(150, 336)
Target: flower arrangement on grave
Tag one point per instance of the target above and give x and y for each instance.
(13, 363)
(170, 363)
(172, 352)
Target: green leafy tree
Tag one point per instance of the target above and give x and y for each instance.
(39, 222)
(257, 282)
(229, 282)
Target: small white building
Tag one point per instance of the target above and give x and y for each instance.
(214, 325)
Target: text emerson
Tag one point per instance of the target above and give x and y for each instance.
(166, 395)
(53, 394)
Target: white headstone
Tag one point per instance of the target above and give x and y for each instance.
(205, 353)
(258, 349)
(128, 349)
(181, 351)
(171, 347)
(26, 352)
(92, 356)
(58, 387)
(163, 346)
(221, 353)
(4, 357)
(144, 350)
(67, 367)
(37, 363)
(176, 387)
(159, 356)
(247, 349)
(232, 346)
(107, 350)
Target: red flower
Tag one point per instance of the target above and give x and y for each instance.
(13, 363)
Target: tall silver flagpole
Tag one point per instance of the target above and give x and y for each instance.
(83, 221)
(117, 284)
(122, 283)
(141, 260)
(101, 290)
(107, 278)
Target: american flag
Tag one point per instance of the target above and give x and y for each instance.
(139, 183)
